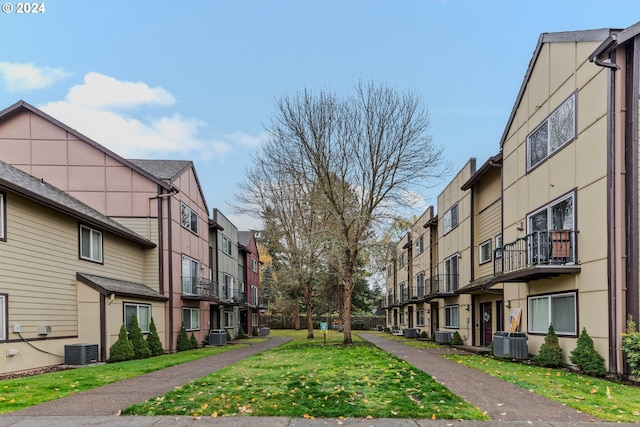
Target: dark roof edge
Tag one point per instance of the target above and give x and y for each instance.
(85, 280)
(494, 161)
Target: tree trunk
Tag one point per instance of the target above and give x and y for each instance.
(348, 290)
(307, 300)
(297, 310)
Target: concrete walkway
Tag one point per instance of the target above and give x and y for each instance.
(508, 405)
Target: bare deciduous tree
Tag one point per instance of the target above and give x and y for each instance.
(361, 156)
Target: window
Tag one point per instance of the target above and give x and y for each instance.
(3, 317)
(227, 287)
(389, 270)
(90, 244)
(143, 314)
(451, 274)
(559, 310)
(3, 224)
(451, 316)
(188, 218)
(553, 133)
(498, 249)
(402, 292)
(401, 261)
(254, 319)
(420, 317)
(484, 252)
(419, 285)
(254, 295)
(558, 215)
(228, 319)
(191, 318)
(254, 265)
(419, 245)
(226, 246)
(389, 318)
(450, 219)
(190, 271)
(402, 317)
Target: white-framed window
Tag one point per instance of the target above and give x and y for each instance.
(141, 311)
(498, 246)
(451, 274)
(254, 319)
(3, 223)
(419, 245)
(254, 295)
(560, 310)
(389, 318)
(227, 286)
(188, 218)
(90, 244)
(420, 317)
(553, 133)
(450, 219)
(228, 319)
(401, 261)
(557, 215)
(3, 317)
(226, 246)
(402, 292)
(484, 252)
(402, 317)
(190, 274)
(452, 316)
(419, 285)
(254, 265)
(191, 318)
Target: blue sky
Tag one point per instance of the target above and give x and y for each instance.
(198, 80)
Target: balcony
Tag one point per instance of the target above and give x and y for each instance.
(404, 295)
(416, 293)
(538, 255)
(233, 296)
(199, 288)
(442, 285)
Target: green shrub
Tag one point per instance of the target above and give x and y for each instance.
(433, 337)
(424, 334)
(184, 343)
(228, 335)
(153, 340)
(194, 342)
(585, 356)
(631, 346)
(358, 325)
(456, 339)
(255, 332)
(550, 354)
(241, 334)
(122, 349)
(140, 346)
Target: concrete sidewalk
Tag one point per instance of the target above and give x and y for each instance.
(508, 405)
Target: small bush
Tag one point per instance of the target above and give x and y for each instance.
(456, 339)
(122, 349)
(140, 346)
(241, 334)
(358, 325)
(631, 346)
(184, 343)
(194, 342)
(585, 356)
(550, 354)
(433, 336)
(153, 340)
(255, 332)
(424, 335)
(228, 335)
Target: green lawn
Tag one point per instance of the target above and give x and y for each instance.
(307, 378)
(20, 393)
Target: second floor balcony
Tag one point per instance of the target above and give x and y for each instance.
(199, 288)
(540, 254)
(441, 285)
(233, 296)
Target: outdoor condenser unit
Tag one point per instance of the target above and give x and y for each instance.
(80, 354)
(443, 337)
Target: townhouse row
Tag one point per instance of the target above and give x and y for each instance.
(547, 231)
(87, 238)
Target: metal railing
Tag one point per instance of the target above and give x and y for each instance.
(555, 247)
(199, 286)
(417, 292)
(442, 284)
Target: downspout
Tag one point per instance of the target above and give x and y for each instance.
(170, 261)
(103, 329)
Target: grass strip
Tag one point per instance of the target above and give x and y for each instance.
(308, 378)
(608, 400)
(18, 393)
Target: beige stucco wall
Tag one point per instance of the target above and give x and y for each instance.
(561, 69)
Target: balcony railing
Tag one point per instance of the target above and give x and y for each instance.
(199, 287)
(441, 285)
(233, 296)
(404, 295)
(546, 252)
(417, 292)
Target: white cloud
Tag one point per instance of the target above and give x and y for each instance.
(100, 91)
(247, 140)
(23, 77)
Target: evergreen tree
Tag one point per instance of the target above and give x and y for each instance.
(550, 354)
(194, 341)
(456, 339)
(183, 343)
(153, 340)
(140, 346)
(122, 349)
(585, 356)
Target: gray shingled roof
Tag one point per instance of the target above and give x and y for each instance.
(44, 193)
(162, 169)
(107, 286)
(244, 238)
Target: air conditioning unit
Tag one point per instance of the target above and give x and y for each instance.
(80, 354)
(443, 337)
